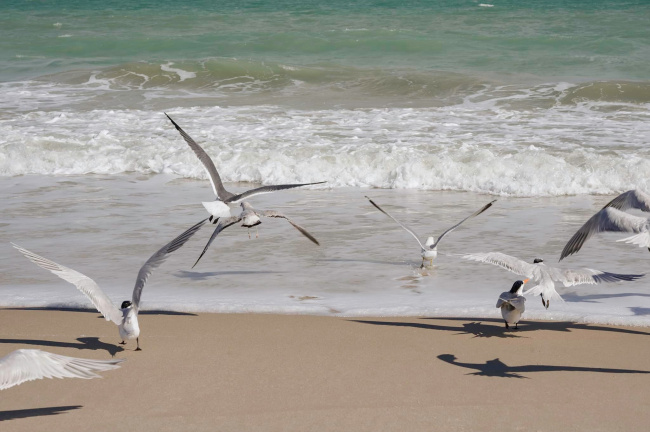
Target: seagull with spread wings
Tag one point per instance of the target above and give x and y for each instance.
(30, 364)
(430, 248)
(220, 207)
(250, 218)
(547, 276)
(126, 317)
(613, 218)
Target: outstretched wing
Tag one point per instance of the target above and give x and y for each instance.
(83, 283)
(275, 214)
(589, 276)
(222, 225)
(215, 179)
(30, 364)
(234, 199)
(158, 258)
(510, 263)
(409, 230)
(631, 199)
(607, 219)
(481, 210)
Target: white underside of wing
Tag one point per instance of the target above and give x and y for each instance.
(217, 208)
(28, 365)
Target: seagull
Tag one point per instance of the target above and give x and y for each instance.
(612, 218)
(126, 317)
(512, 303)
(220, 207)
(547, 276)
(250, 218)
(31, 364)
(430, 248)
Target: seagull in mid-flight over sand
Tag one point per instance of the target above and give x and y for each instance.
(30, 364)
(220, 207)
(612, 218)
(126, 317)
(547, 276)
(430, 247)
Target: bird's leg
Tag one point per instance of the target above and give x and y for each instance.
(548, 302)
(249, 234)
(122, 343)
(507, 326)
(517, 325)
(257, 233)
(137, 340)
(543, 302)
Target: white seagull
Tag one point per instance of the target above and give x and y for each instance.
(220, 207)
(512, 303)
(430, 247)
(612, 218)
(547, 276)
(31, 364)
(251, 218)
(126, 317)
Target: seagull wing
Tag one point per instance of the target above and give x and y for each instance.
(157, 259)
(265, 189)
(409, 230)
(30, 364)
(510, 263)
(83, 283)
(485, 207)
(275, 214)
(631, 199)
(589, 276)
(607, 219)
(217, 185)
(222, 225)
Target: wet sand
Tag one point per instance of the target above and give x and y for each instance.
(235, 372)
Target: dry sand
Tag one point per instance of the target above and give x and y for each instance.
(243, 372)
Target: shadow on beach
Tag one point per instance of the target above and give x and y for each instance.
(493, 327)
(497, 368)
(36, 412)
(85, 343)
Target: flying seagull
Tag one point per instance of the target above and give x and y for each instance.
(251, 218)
(547, 276)
(31, 364)
(220, 207)
(430, 247)
(512, 303)
(126, 317)
(612, 218)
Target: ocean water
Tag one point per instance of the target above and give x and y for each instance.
(431, 107)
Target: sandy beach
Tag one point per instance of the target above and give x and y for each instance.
(234, 372)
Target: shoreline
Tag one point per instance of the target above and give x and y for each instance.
(299, 372)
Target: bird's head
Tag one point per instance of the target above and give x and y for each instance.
(518, 286)
(126, 304)
(538, 260)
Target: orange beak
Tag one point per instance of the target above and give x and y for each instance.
(526, 280)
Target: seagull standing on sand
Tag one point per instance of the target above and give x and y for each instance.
(430, 247)
(547, 276)
(251, 218)
(31, 364)
(512, 303)
(612, 218)
(220, 207)
(126, 317)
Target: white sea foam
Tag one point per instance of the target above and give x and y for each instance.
(477, 147)
(182, 74)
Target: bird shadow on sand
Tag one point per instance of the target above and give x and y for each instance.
(205, 275)
(492, 327)
(36, 412)
(84, 343)
(497, 368)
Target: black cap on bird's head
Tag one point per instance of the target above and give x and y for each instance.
(517, 285)
(538, 260)
(125, 304)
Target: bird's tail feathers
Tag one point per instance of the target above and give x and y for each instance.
(642, 239)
